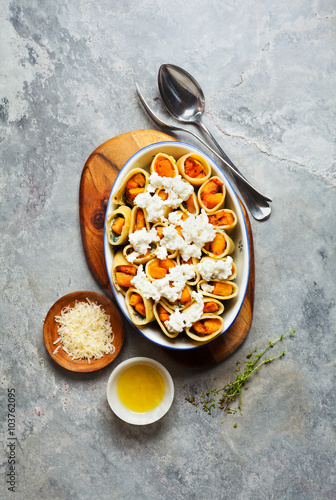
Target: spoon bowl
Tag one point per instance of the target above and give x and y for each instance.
(184, 99)
(181, 94)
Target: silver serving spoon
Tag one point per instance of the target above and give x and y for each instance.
(184, 99)
(259, 211)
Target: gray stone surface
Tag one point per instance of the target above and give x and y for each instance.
(67, 77)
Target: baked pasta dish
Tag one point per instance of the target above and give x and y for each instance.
(172, 245)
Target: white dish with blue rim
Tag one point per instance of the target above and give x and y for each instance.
(241, 255)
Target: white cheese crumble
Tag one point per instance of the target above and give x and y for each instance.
(185, 319)
(141, 241)
(169, 287)
(178, 191)
(85, 331)
(206, 287)
(211, 269)
(196, 231)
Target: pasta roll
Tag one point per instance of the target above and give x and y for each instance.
(212, 306)
(162, 314)
(221, 246)
(206, 328)
(194, 168)
(122, 273)
(221, 290)
(164, 165)
(211, 195)
(138, 220)
(139, 307)
(223, 219)
(118, 224)
(133, 184)
(191, 206)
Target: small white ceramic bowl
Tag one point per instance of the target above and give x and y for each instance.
(241, 255)
(130, 416)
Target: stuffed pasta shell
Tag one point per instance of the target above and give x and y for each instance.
(118, 225)
(139, 307)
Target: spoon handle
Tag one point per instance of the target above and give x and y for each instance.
(227, 159)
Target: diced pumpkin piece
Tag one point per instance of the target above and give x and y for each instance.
(199, 328)
(213, 186)
(218, 245)
(139, 220)
(224, 289)
(163, 313)
(159, 230)
(166, 263)
(211, 200)
(162, 194)
(157, 272)
(124, 280)
(140, 308)
(127, 269)
(185, 297)
(135, 298)
(211, 325)
(164, 168)
(193, 168)
(222, 218)
(118, 224)
(132, 193)
(210, 307)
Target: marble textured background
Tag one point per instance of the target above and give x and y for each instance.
(67, 78)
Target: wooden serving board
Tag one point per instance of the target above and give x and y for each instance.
(99, 173)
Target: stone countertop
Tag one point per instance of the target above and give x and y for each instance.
(67, 85)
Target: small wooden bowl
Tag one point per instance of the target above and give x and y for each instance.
(50, 328)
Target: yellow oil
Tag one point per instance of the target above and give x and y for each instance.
(141, 388)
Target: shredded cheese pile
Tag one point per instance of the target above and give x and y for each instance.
(85, 331)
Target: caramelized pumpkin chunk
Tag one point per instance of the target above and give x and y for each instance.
(206, 326)
(163, 195)
(118, 224)
(185, 299)
(140, 222)
(159, 230)
(218, 245)
(210, 307)
(212, 193)
(157, 273)
(134, 186)
(163, 313)
(193, 168)
(164, 168)
(224, 289)
(124, 275)
(222, 218)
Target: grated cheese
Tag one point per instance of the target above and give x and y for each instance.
(85, 331)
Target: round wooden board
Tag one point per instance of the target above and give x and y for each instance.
(50, 329)
(99, 173)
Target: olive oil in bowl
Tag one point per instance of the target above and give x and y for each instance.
(141, 388)
(140, 391)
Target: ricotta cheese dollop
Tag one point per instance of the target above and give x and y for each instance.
(184, 319)
(211, 269)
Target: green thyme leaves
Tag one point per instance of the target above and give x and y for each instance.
(231, 393)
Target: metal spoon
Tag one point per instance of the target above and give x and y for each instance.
(184, 99)
(256, 203)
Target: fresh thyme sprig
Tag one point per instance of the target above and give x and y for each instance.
(230, 392)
